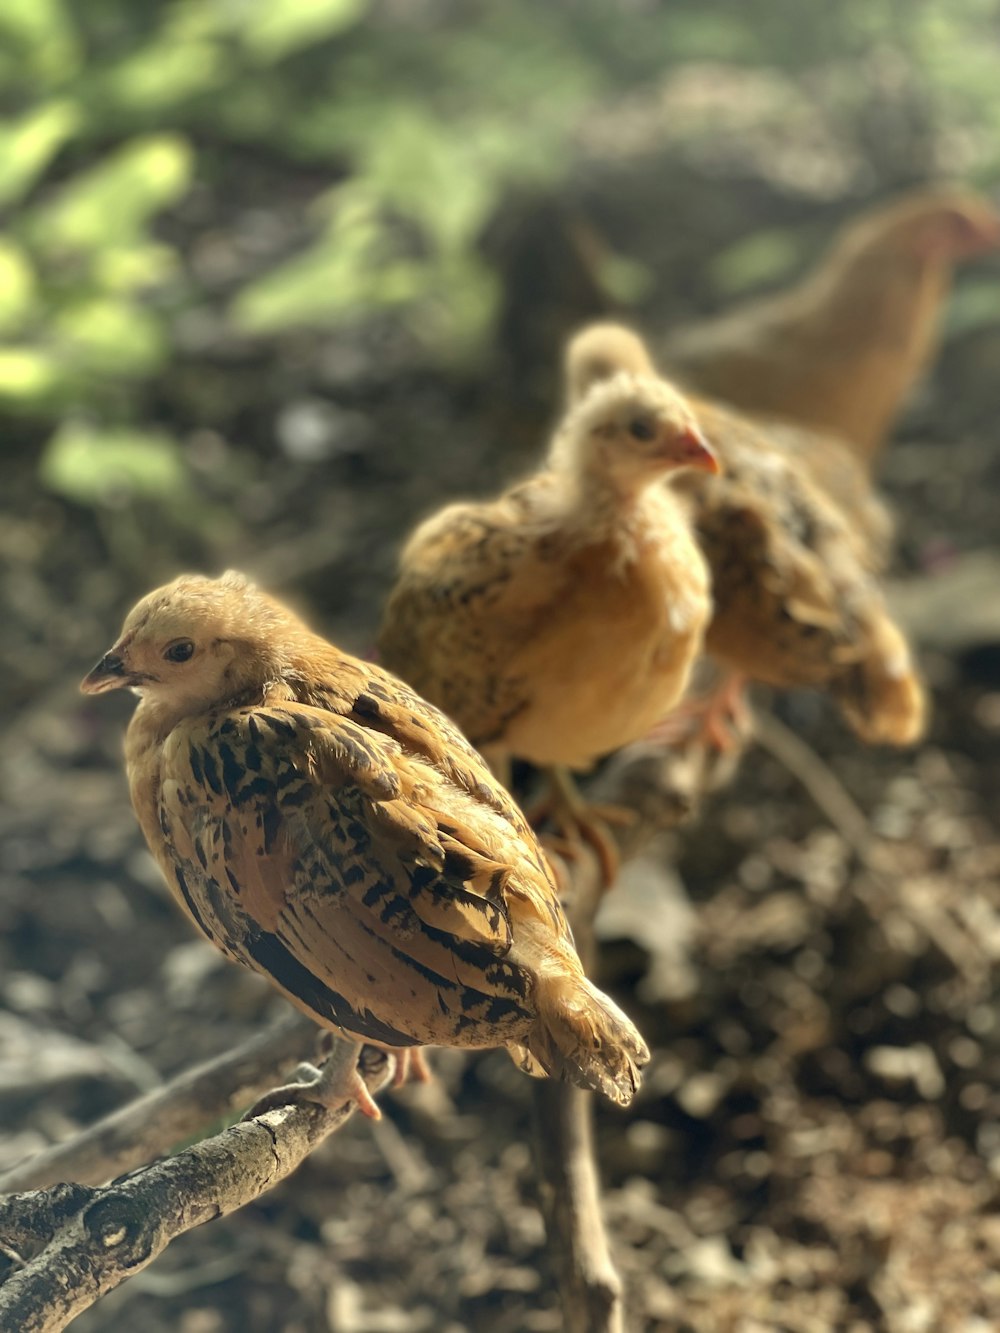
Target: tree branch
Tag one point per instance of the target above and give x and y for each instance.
(155, 1123)
(641, 779)
(93, 1239)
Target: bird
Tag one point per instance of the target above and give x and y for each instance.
(840, 350)
(560, 620)
(326, 827)
(795, 538)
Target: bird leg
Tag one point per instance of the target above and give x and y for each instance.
(335, 1083)
(411, 1065)
(578, 821)
(719, 719)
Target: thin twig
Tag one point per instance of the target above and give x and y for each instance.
(824, 787)
(101, 1237)
(167, 1116)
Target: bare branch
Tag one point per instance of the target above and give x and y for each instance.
(157, 1122)
(97, 1238)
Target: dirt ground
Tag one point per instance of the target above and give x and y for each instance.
(817, 1144)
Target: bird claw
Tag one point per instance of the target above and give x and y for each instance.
(333, 1086)
(720, 720)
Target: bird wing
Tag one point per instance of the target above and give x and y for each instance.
(374, 888)
(476, 581)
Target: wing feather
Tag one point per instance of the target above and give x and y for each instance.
(316, 849)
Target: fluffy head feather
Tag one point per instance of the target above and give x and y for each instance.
(631, 429)
(199, 642)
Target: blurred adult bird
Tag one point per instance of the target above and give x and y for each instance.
(325, 826)
(560, 621)
(794, 537)
(841, 349)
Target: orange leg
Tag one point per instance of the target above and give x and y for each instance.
(719, 719)
(577, 821)
(411, 1065)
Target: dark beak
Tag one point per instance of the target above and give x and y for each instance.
(109, 674)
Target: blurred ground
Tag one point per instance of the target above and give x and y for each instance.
(817, 1144)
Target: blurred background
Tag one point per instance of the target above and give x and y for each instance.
(276, 278)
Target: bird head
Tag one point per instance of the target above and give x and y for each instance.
(598, 352)
(195, 643)
(942, 226)
(632, 429)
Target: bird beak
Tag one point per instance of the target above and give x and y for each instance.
(691, 449)
(109, 674)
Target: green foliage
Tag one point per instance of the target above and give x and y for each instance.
(768, 256)
(103, 466)
(396, 132)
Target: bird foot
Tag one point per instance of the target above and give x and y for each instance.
(333, 1086)
(720, 720)
(588, 827)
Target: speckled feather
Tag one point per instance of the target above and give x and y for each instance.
(326, 827)
(794, 536)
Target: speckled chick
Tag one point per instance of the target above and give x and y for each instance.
(560, 621)
(328, 828)
(794, 537)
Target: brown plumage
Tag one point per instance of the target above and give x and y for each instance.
(326, 827)
(560, 621)
(841, 350)
(794, 537)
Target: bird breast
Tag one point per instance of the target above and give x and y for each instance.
(614, 655)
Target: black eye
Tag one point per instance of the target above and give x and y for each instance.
(642, 429)
(179, 651)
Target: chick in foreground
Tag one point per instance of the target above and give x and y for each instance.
(794, 537)
(328, 828)
(841, 350)
(560, 621)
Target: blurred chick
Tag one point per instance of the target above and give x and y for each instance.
(324, 826)
(793, 535)
(841, 350)
(560, 621)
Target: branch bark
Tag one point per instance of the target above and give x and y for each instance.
(93, 1239)
(641, 779)
(155, 1123)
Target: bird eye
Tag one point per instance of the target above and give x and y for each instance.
(642, 429)
(179, 651)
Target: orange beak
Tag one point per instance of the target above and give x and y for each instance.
(689, 448)
(109, 674)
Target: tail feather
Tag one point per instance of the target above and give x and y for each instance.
(882, 697)
(583, 1037)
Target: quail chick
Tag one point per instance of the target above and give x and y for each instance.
(794, 537)
(841, 350)
(328, 828)
(560, 621)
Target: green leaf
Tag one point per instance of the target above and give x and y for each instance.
(271, 30)
(109, 204)
(29, 144)
(109, 337)
(350, 267)
(39, 37)
(94, 466)
(27, 376)
(17, 286)
(134, 267)
(165, 74)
